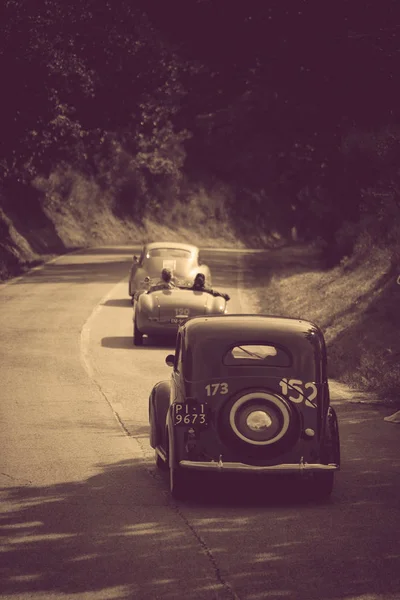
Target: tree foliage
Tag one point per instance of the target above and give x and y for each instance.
(77, 72)
(264, 95)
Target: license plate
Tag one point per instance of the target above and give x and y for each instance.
(190, 414)
(178, 320)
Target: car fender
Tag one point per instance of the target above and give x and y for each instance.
(158, 409)
(132, 280)
(173, 441)
(216, 305)
(143, 309)
(133, 272)
(172, 454)
(330, 451)
(137, 279)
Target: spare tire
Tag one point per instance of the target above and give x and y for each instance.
(260, 422)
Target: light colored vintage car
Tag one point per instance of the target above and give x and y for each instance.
(183, 260)
(161, 312)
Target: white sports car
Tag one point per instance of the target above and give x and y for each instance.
(161, 312)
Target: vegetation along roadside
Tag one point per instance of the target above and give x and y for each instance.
(355, 303)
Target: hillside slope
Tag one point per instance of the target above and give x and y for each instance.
(69, 211)
(355, 304)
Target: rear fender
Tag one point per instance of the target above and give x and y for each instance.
(216, 305)
(158, 409)
(137, 275)
(144, 309)
(330, 450)
(175, 442)
(146, 302)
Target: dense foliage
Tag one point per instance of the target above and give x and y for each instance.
(295, 105)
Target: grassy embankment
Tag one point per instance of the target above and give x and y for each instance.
(355, 304)
(69, 211)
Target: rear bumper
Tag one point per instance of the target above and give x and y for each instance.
(243, 468)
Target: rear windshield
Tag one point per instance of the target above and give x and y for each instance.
(168, 253)
(257, 354)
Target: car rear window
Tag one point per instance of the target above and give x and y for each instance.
(257, 354)
(168, 253)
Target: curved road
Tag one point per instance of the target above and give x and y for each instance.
(84, 512)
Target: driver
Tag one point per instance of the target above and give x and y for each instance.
(199, 285)
(165, 283)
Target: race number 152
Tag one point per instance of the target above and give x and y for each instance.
(297, 390)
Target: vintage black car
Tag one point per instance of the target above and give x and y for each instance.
(247, 394)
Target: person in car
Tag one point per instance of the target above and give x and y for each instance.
(165, 283)
(199, 285)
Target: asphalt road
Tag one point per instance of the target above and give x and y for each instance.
(84, 512)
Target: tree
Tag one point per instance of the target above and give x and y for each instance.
(74, 72)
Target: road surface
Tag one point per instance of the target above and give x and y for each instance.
(84, 512)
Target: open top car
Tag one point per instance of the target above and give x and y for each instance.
(182, 259)
(247, 394)
(162, 311)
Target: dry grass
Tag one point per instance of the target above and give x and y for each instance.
(83, 215)
(357, 308)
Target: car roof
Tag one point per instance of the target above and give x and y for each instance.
(179, 245)
(207, 339)
(251, 326)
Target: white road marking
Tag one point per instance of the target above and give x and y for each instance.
(88, 367)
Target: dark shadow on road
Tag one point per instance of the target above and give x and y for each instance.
(159, 342)
(93, 535)
(121, 342)
(247, 490)
(118, 302)
(119, 534)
